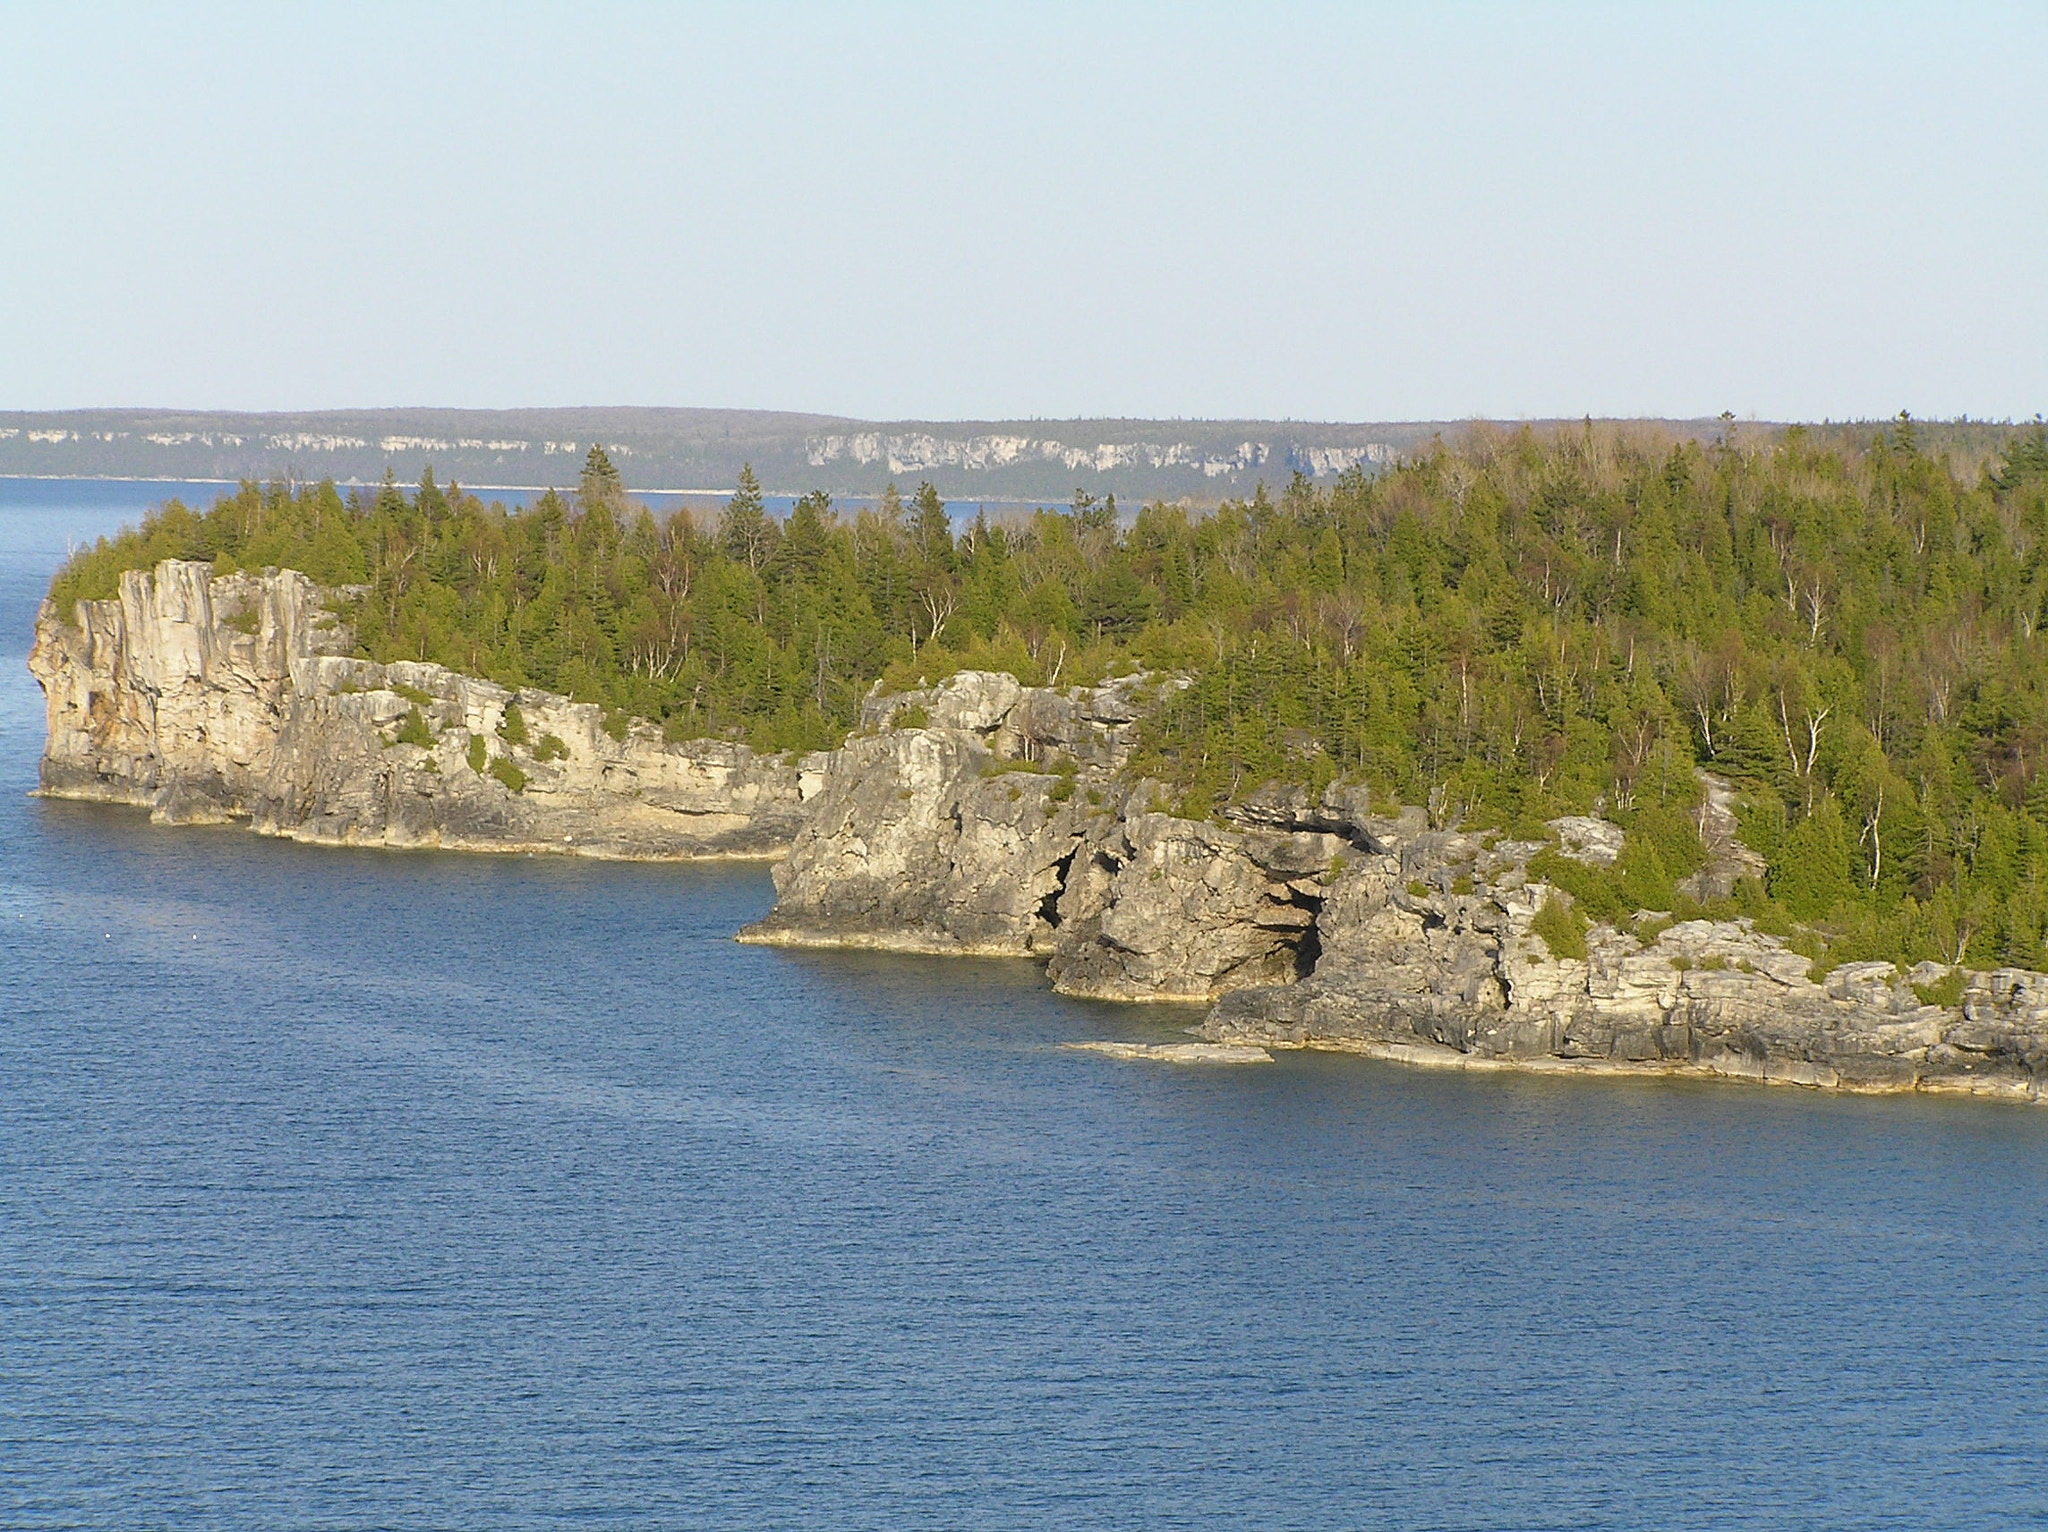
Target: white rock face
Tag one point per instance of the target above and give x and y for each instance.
(954, 835)
(207, 699)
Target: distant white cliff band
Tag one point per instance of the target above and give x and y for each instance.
(919, 453)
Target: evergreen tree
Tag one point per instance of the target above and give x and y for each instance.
(745, 533)
(1516, 626)
(931, 530)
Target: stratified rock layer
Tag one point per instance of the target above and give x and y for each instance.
(209, 698)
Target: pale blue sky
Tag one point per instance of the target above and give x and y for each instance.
(1327, 212)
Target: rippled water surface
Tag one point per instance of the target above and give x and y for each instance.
(368, 1189)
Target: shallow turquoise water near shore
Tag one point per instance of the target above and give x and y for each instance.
(361, 1189)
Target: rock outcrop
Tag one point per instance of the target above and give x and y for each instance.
(1000, 822)
(989, 817)
(208, 698)
(983, 816)
(1427, 954)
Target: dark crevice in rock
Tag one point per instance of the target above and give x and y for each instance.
(1049, 906)
(1309, 952)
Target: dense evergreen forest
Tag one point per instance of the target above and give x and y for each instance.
(1504, 629)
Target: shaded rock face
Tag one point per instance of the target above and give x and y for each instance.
(1159, 908)
(207, 699)
(910, 845)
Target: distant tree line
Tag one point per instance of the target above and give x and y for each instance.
(1504, 629)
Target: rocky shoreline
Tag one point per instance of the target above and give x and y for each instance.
(206, 699)
(981, 816)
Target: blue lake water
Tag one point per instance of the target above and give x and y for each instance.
(129, 498)
(368, 1189)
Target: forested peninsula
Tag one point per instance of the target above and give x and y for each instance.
(1503, 629)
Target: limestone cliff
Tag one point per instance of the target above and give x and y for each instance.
(210, 698)
(1426, 955)
(983, 816)
(999, 821)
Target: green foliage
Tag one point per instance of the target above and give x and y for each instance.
(412, 730)
(550, 748)
(512, 726)
(1562, 929)
(916, 716)
(1661, 846)
(1810, 871)
(513, 778)
(1946, 991)
(413, 694)
(479, 754)
(1850, 627)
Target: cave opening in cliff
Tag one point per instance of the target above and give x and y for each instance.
(1309, 951)
(1049, 906)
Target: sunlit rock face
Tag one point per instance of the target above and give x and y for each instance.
(984, 816)
(207, 698)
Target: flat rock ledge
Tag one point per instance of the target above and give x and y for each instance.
(1176, 1053)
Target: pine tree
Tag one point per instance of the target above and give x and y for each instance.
(931, 531)
(745, 533)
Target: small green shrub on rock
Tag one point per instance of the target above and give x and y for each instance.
(479, 754)
(512, 727)
(414, 731)
(513, 778)
(1947, 990)
(1001, 765)
(1561, 928)
(550, 748)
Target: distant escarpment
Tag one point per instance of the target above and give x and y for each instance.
(208, 698)
(982, 816)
